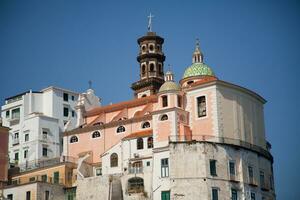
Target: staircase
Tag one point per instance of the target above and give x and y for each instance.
(116, 192)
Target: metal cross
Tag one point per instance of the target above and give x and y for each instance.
(90, 84)
(150, 22)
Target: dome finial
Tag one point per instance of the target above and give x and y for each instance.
(197, 55)
(169, 76)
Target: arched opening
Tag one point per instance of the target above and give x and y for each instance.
(151, 47)
(146, 125)
(96, 134)
(74, 139)
(151, 67)
(143, 70)
(135, 185)
(139, 143)
(114, 160)
(150, 142)
(120, 129)
(164, 117)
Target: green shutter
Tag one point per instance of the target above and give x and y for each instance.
(165, 195)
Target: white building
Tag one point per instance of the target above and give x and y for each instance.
(37, 120)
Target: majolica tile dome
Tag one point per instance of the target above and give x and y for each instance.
(198, 68)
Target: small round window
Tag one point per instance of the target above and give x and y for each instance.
(164, 117)
(96, 134)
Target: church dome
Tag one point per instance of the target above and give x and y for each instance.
(198, 69)
(169, 86)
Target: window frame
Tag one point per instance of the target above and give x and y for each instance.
(213, 167)
(65, 111)
(161, 118)
(150, 144)
(65, 97)
(140, 143)
(197, 107)
(214, 189)
(145, 125)
(164, 164)
(94, 136)
(164, 101)
(119, 129)
(114, 160)
(71, 139)
(234, 167)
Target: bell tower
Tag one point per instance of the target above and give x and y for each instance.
(151, 63)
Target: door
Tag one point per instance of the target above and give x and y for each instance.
(165, 195)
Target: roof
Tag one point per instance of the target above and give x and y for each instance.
(58, 88)
(198, 69)
(21, 94)
(169, 86)
(145, 133)
(122, 105)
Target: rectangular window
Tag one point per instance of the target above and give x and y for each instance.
(45, 151)
(7, 114)
(179, 101)
(212, 167)
(66, 97)
(148, 163)
(214, 193)
(164, 167)
(45, 134)
(250, 172)
(17, 156)
(15, 113)
(165, 195)
(201, 105)
(16, 135)
(10, 197)
(73, 113)
(164, 101)
(98, 171)
(73, 98)
(262, 179)
(234, 194)
(232, 168)
(25, 153)
(26, 137)
(44, 178)
(31, 179)
(252, 196)
(66, 112)
(56, 177)
(47, 195)
(28, 195)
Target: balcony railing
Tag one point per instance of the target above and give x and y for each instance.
(224, 140)
(36, 178)
(29, 165)
(15, 141)
(135, 170)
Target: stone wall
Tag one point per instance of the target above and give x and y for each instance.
(93, 188)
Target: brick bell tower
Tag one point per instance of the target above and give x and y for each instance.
(151, 60)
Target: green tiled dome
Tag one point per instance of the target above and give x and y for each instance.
(198, 69)
(169, 86)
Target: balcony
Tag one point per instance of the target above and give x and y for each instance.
(265, 186)
(14, 121)
(233, 178)
(36, 178)
(135, 170)
(252, 182)
(15, 141)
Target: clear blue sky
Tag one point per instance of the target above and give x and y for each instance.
(254, 44)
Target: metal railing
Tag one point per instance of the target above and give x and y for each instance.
(135, 170)
(15, 141)
(222, 140)
(36, 178)
(29, 165)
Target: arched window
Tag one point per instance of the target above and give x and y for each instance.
(120, 129)
(150, 142)
(114, 160)
(164, 117)
(98, 123)
(96, 134)
(122, 118)
(139, 143)
(135, 185)
(144, 95)
(146, 125)
(151, 67)
(151, 47)
(74, 139)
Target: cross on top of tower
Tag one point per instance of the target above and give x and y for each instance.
(90, 84)
(150, 22)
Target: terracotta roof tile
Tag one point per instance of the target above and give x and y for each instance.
(145, 133)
